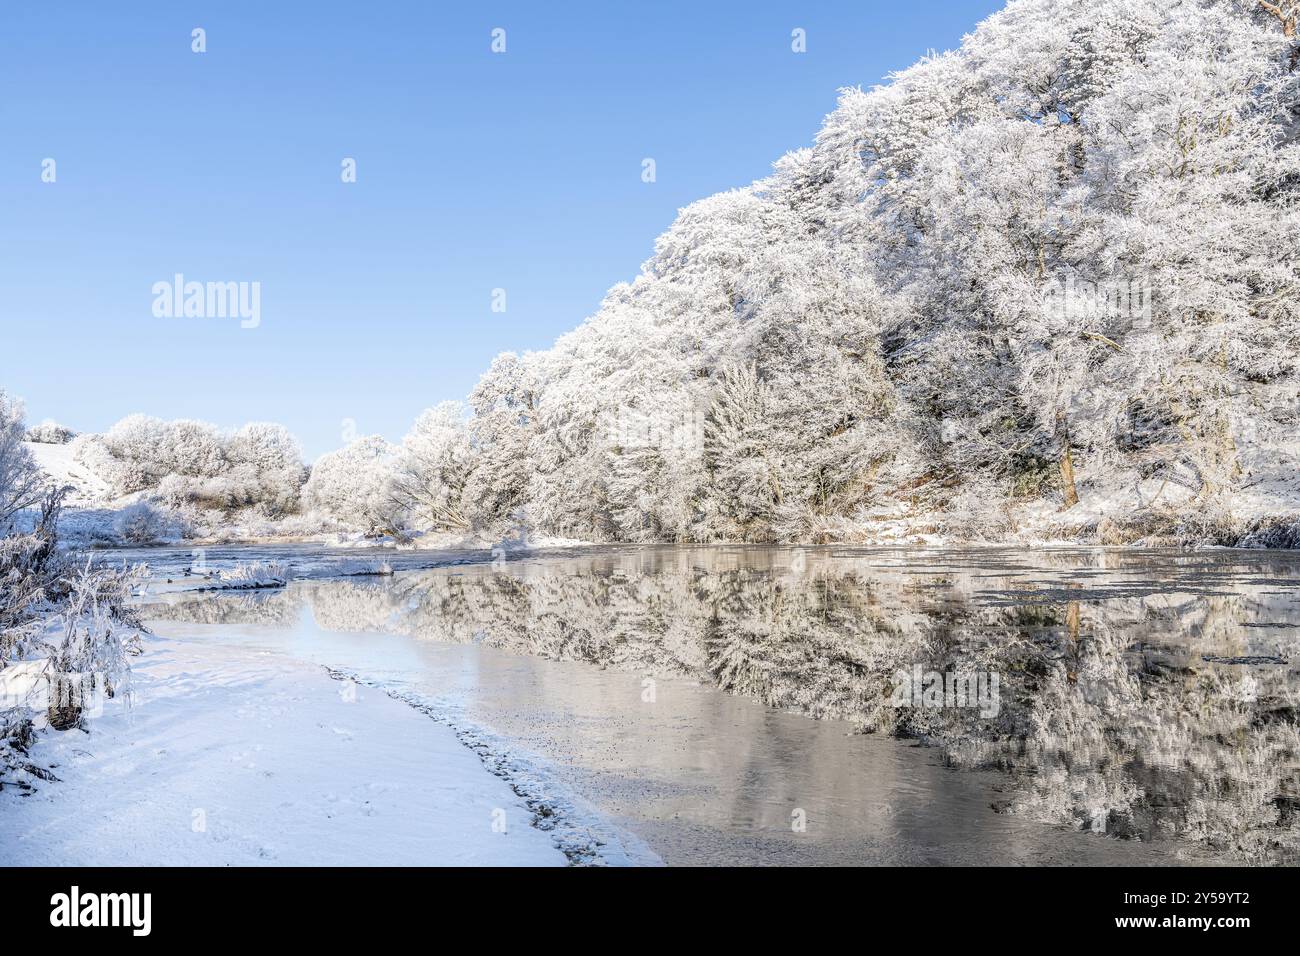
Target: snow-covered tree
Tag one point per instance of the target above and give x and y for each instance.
(22, 483)
(353, 485)
(505, 404)
(266, 460)
(432, 467)
(741, 449)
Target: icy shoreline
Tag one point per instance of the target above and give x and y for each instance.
(577, 830)
(230, 756)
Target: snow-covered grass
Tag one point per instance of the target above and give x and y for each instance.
(228, 756)
(253, 574)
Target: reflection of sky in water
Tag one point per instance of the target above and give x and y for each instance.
(1144, 696)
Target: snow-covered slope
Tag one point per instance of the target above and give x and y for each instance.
(57, 461)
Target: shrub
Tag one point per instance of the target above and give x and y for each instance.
(192, 463)
(68, 624)
(143, 523)
(255, 574)
(50, 433)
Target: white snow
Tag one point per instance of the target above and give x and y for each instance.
(232, 756)
(57, 461)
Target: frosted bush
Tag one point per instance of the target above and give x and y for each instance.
(50, 433)
(192, 463)
(254, 574)
(143, 523)
(97, 630)
(66, 628)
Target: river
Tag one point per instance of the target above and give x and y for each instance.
(758, 705)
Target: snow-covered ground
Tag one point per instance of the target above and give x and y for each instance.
(230, 756)
(88, 489)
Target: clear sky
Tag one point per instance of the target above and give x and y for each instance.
(475, 171)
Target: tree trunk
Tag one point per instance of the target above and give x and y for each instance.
(1285, 14)
(1068, 487)
(1072, 636)
(1067, 478)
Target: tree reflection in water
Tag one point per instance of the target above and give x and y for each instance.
(1143, 695)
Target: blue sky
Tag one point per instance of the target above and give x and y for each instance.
(475, 171)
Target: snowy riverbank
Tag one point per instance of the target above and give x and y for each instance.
(230, 756)
(1147, 514)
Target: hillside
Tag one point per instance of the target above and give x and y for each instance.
(59, 462)
(1042, 285)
